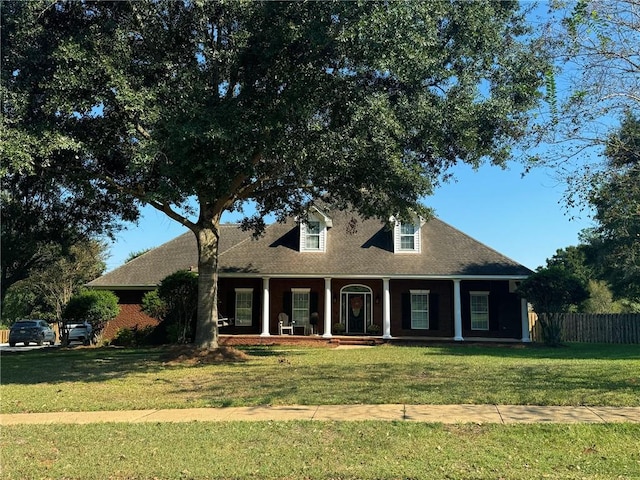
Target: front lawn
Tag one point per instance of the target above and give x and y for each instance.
(117, 379)
(320, 450)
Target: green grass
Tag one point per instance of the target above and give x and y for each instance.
(117, 379)
(111, 379)
(320, 450)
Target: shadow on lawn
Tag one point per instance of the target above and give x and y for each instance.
(57, 365)
(569, 351)
(80, 364)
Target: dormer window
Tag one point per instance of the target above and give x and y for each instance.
(406, 236)
(313, 232)
(312, 239)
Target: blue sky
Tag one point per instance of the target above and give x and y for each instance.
(523, 218)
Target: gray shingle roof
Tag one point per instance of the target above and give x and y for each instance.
(355, 247)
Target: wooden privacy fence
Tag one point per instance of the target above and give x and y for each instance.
(594, 327)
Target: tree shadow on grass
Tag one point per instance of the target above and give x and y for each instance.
(83, 364)
(569, 351)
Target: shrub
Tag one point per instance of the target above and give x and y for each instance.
(175, 304)
(94, 306)
(132, 337)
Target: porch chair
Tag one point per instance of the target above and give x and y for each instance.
(284, 325)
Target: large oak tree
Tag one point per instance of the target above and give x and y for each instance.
(213, 104)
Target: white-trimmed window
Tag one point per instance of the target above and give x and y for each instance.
(406, 236)
(300, 303)
(419, 309)
(244, 307)
(313, 234)
(479, 310)
(312, 239)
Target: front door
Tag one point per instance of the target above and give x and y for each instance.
(355, 311)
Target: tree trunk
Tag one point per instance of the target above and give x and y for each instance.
(206, 336)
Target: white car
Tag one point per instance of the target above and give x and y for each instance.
(79, 332)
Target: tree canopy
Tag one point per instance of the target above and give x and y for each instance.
(362, 104)
(615, 197)
(49, 286)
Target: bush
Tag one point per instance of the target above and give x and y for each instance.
(175, 304)
(132, 337)
(95, 306)
(552, 291)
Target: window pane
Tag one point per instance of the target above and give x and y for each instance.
(407, 229)
(479, 312)
(313, 228)
(420, 310)
(244, 308)
(407, 242)
(300, 311)
(313, 242)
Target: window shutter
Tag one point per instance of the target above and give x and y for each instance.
(406, 311)
(287, 304)
(494, 310)
(313, 302)
(434, 303)
(229, 309)
(256, 310)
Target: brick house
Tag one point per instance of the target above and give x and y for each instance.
(423, 279)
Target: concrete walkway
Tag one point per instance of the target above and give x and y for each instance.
(503, 414)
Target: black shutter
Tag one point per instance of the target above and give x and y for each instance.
(256, 311)
(229, 310)
(406, 311)
(313, 302)
(494, 311)
(434, 303)
(287, 303)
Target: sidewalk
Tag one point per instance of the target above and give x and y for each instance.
(502, 414)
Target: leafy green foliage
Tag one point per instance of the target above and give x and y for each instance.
(553, 290)
(153, 305)
(615, 195)
(50, 285)
(48, 201)
(132, 337)
(94, 306)
(175, 303)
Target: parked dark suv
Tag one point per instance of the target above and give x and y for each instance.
(27, 331)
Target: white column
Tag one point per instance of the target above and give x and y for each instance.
(265, 307)
(457, 312)
(386, 309)
(526, 337)
(327, 308)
